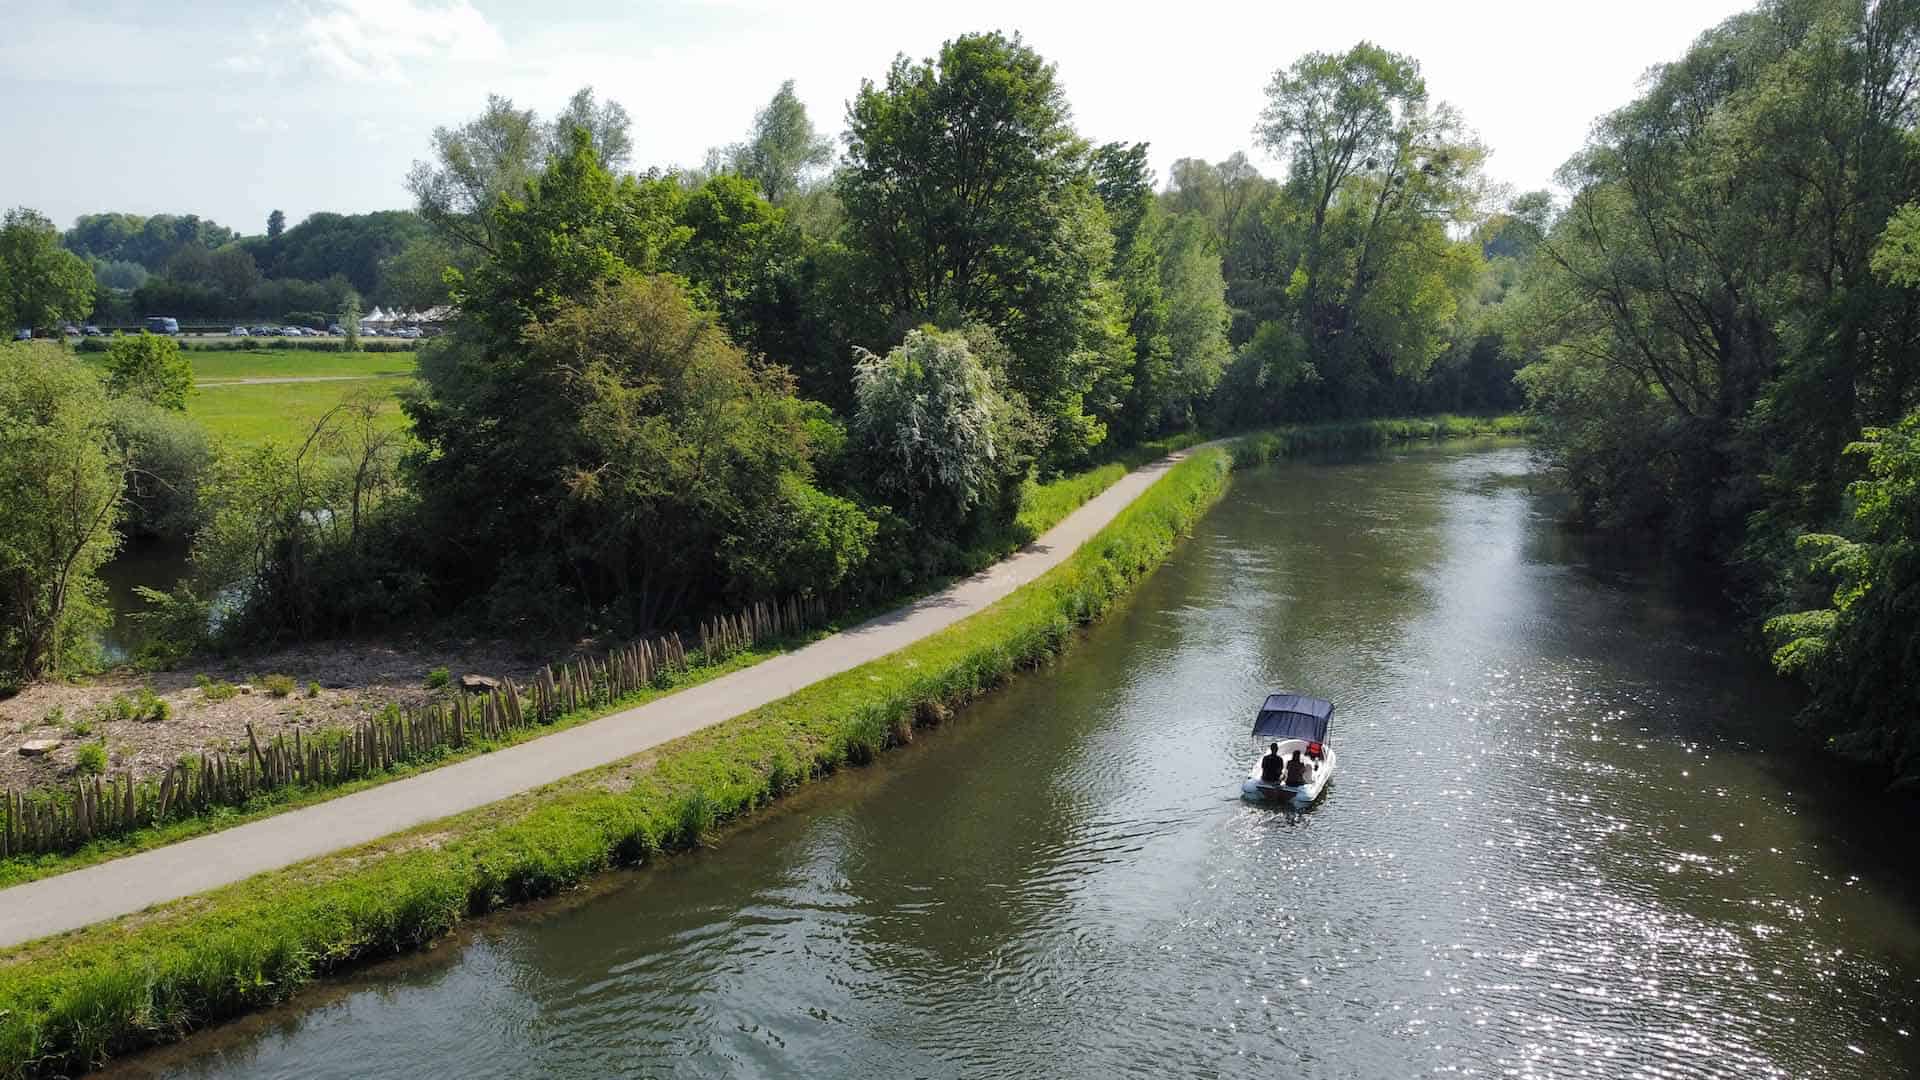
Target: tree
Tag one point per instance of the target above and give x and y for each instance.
(1332, 115)
(497, 152)
(149, 367)
(968, 199)
(60, 487)
(941, 438)
(41, 285)
(474, 164)
(232, 271)
(605, 123)
(276, 224)
(782, 150)
(350, 324)
(416, 276)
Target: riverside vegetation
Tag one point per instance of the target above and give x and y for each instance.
(73, 1002)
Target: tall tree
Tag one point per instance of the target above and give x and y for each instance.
(1330, 115)
(605, 122)
(276, 224)
(41, 284)
(968, 197)
(474, 164)
(60, 487)
(783, 151)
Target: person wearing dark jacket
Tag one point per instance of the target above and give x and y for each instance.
(1297, 770)
(1271, 765)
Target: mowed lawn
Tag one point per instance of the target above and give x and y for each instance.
(295, 363)
(284, 412)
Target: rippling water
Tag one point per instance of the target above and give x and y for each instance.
(1569, 837)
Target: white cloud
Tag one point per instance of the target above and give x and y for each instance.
(381, 40)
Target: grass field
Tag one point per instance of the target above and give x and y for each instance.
(282, 412)
(285, 363)
(254, 413)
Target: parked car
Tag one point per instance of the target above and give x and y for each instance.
(91, 330)
(260, 331)
(238, 331)
(162, 324)
(70, 330)
(336, 330)
(25, 333)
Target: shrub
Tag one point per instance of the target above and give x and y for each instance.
(313, 689)
(54, 717)
(80, 728)
(91, 759)
(279, 685)
(148, 706)
(439, 679)
(149, 367)
(215, 689)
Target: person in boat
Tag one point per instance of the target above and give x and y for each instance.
(1297, 770)
(1271, 765)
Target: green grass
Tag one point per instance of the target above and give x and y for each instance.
(72, 1002)
(284, 363)
(282, 412)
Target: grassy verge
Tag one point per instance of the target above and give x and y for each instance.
(72, 1002)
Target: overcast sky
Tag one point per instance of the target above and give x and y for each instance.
(230, 110)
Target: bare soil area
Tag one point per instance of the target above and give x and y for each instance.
(352, 680)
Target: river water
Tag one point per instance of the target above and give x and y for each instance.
(1571, 835)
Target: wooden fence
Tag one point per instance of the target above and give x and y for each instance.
(62, 817)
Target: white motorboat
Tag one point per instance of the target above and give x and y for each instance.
(1293, 722)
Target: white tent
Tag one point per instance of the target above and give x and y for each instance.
(376, 316)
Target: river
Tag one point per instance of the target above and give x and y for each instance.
(1571, 835)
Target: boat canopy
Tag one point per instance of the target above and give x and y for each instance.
(1293, 716)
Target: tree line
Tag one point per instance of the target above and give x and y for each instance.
(1725, 325)
(788, 372)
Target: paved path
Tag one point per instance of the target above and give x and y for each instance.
(122, 886)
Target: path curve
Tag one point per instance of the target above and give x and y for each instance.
(122, 886)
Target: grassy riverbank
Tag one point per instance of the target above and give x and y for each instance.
(74, 1001)
(1043, 507)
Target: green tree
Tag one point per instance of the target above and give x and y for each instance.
(474, 164)
(605, 122)
(276, 224)
(1858, 651)
(782, 151)
(60, 488)
(941, 439)
(968, 198)
(350, 325)
(41, 285)
(149, 367)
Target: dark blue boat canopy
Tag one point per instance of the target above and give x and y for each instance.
(1293, 716)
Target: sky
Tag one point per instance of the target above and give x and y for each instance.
(232, 109)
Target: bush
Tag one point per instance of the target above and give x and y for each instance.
(215, 689)
(90, 759)
(279, 685)
(149, 367)
(313, 689)
(439, 679)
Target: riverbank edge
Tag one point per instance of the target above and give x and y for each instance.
(1050, 503)
(77, 1000)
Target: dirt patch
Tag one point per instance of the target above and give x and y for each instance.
(353, 681)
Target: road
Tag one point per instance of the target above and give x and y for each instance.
(126, 885)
